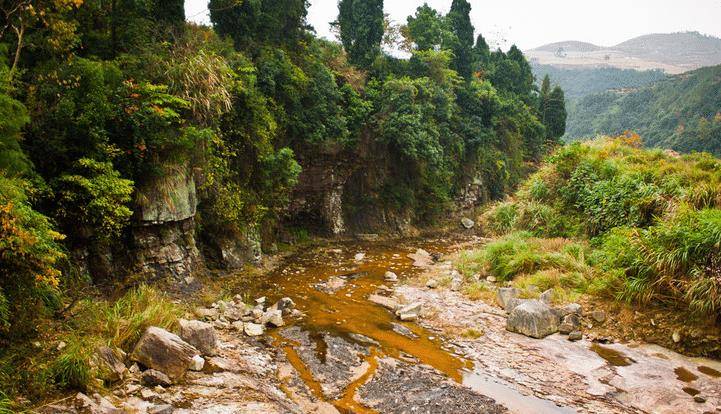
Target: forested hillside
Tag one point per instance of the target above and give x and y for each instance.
(682, 112)
(580, 82)
(136, 145)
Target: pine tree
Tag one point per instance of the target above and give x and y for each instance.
(361, 29)
(460, 21)
(555, 114)
(543, 98)
(481, 51)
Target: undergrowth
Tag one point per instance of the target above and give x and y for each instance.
(38, 372)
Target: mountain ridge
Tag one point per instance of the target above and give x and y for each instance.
(671, 52)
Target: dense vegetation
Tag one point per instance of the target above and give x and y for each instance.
(104, 104)
(609, 218)
(682, 112)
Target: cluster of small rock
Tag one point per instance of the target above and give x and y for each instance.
(249, 319)
(161, 358)
(536, 318)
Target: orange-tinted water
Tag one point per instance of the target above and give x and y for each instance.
(347, 311)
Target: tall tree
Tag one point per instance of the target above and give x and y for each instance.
(253, 22)
(482, 52)
(361, 29)
(555, 114)
(460, 21)
(426, 28)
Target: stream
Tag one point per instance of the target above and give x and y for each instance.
(358, 357)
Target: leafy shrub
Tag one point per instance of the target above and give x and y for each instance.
(29, 255)
(96, 197)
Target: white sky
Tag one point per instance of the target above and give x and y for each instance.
(532, 23)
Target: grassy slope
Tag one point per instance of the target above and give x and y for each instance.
(606, 218)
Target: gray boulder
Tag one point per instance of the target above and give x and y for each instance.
(532, 318)
(199, 334)
(505, 296)
(571, 308)
(166, 352)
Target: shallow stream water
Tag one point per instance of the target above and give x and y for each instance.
(346, 313)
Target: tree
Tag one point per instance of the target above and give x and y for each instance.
(460, 22)
(256, 22)
(481, 52)
(361, 29)
(426, 29)
(554, 114)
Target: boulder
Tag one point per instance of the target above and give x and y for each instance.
(161, 409)
(403, 330)
(532, 318)
(109, 364)
(272, 317)
(575, 336)
(359, 256)
(504, 296)
(467, 223)
(206, 313)
(456, 284)
(432, 283)
(166, 352)
(284, 305)
(199, 334)
(412, 308)
(152, 377)
(571, 308)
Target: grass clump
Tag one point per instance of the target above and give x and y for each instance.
(36, 372)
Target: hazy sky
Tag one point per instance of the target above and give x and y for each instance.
(531, 23)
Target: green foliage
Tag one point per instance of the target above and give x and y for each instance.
(253, 23)
(360, 23)
(13, 117)
(95, 196)
(29, 255)
(460, 24)
(428, 29)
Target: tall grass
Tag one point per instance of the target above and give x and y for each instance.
(652, 221)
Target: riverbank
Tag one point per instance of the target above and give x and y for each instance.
(343, 352)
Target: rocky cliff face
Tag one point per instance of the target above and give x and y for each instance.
(164, 233)
(318, 197)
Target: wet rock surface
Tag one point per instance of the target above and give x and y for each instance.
(334, 361)
(400, 387)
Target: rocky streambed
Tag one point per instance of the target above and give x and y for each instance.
(365, 335)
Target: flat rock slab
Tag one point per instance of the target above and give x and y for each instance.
(334, 362)
(399, 387)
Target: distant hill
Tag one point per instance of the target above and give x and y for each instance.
(570, 46)
(672, 52)
(681, 112)
(577, 83)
